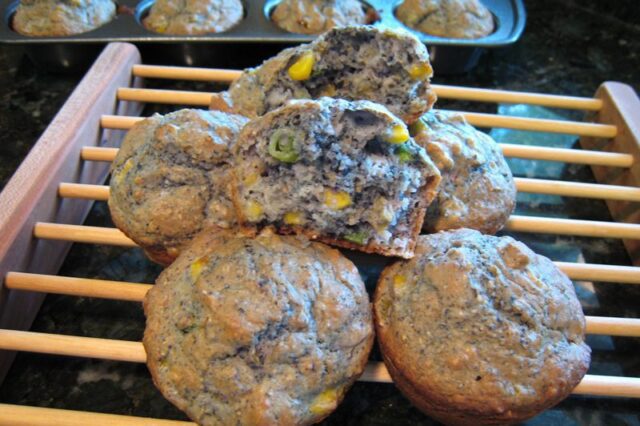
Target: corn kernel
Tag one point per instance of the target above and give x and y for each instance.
(293, 218)
(119, 176)
(397, 134)
(251, 179)
(302, 68)
(399, 282)
(324, 402)
(196, 267)
(420, 71)
(336, 200)
(254, 211)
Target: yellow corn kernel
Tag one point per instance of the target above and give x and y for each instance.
(399, 282)
(251, 179)
(420, 71)
(398, 134)
(325, 402)
(336, 200)
(302, 68)
(254, 211)
(196, 267)
(293, 218)
(119, 176)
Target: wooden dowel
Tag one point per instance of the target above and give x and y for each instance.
(600, 273)
(516, 223)
(84, 287)
(81, 234)
(59, 344)
(536, 186)
(565, 155)
(20, 415)
(134, 292)
(575, 156)
(582, 228)
(578, 189)
(120, 350)
(159, 96)
(443, 91)
(540, 125)
(118, 122)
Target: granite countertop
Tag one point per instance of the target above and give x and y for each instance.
(568, 47)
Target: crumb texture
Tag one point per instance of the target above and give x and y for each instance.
(51, 18)
(343, 172)
(478, 329)
(265, 330)
(447, 18)
(170, 179)
(356, 62)
(184, 17)
(477, 190)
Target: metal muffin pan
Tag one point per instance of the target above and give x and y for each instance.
(255, 38)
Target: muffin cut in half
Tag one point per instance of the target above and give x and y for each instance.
(345, 173)
(447, 18)
(51, 18)
(355, 63)
(259, 330)
(317, 16)
(170, 179)
(185, 17)
(477, 190)
(480, 330)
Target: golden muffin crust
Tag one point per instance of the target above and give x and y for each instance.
(185, 17)
(257, 330)
(447, 18)
(317, 16)
(50, 18)
(477, 329)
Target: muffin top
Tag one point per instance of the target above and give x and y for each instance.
(257, 330)
(185, 17)
(477, 190)
(447, 18)
(50, 18)
(170, 179)
(356, 63)
(483, 324)
(317, 16)
(343, 172)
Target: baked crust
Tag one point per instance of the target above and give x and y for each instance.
(455, 381)
(193, 17)
(313, 17)
(263, 329)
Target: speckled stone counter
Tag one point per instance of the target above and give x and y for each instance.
(568, 47)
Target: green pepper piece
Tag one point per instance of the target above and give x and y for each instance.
(417, 127)
(404, 154)
(357, 237)
(283, 145)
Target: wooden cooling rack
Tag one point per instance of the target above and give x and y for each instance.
(52, 191)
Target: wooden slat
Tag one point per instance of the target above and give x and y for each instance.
(121, 350)
(575, 156)
(136, 292)
(443, 91)
(20, 415)
(536, 186)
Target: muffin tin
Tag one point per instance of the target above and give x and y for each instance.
(255, 38)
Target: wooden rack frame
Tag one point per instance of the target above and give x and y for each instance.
(51, 193)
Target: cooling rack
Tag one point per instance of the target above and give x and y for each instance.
(50, 195)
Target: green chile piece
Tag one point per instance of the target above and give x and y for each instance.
(284, 145)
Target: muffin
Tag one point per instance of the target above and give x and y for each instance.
(52, 18)
(317, 16)
(356, 63)
(477, 190)
(170, 179)
(190, 17)
(257, 331)
(345, 173)
(447, 18)
(477, 329)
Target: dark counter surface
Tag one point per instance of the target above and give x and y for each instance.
(568, 48)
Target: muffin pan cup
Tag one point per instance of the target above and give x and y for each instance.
(255, 38)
